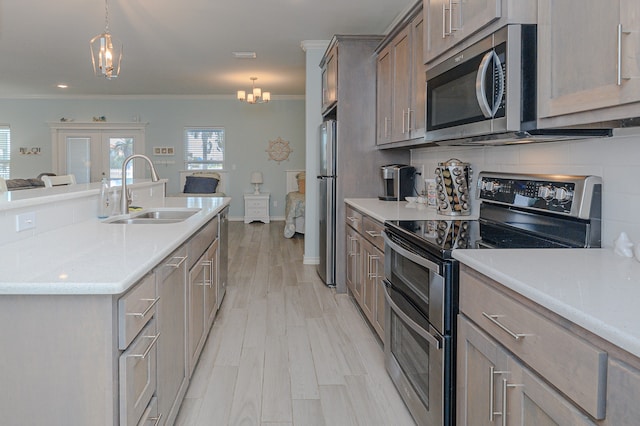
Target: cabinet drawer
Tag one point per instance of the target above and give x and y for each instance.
(572, 365)
(256, 212)
(137, 375)
(135, 309)
(260, 204)
(201, 241)
(372, 231)
(354, 219)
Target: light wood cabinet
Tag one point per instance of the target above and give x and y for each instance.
(401, 83)
(365, 266)
(173, 379)
(354, 283)
(536, 366)
(494, 388)
(329, 67)
(450, 22)
(588, 61)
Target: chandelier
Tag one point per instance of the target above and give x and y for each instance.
(256, 96)
(106, 52)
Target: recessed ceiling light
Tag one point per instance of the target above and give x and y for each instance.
(245, 55)
(62, 86)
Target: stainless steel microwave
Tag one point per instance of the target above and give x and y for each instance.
(486, 94)
(485, 89)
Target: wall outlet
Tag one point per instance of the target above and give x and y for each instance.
(25, 221)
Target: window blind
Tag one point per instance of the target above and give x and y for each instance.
(5, 152)
(204, 148)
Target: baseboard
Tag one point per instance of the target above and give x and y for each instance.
(309, 260)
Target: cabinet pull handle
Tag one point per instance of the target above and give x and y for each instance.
(619, 77)
(444, 21)
(492, 373)
(374, 234)
(403, 122)
(156, 420)
(146, 311)
(386, 127)
(493, 319)
(177, 265)
(450, 17)
(146, 352)
(409, 119)
(352, 219)
(370, 261)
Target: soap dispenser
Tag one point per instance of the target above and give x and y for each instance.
(104, 201)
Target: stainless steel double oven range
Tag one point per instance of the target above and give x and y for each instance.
(421, 275)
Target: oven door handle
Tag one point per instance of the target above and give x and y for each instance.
(434, 341)
(410, 255)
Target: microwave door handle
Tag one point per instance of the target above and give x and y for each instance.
(481, 93)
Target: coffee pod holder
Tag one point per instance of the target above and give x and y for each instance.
(453, 179)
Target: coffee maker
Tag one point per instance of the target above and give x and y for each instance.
(397, 182)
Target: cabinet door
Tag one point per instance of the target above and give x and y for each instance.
(623, 388)
(530, 401)
(197, 282)
(588, 56)
(369, 278)
(449, 22)
(401, 78)
(383, 96)
(210, 289)
(481, 367)
(330, 80)
(172, 365)
(353, 279)
(418, 121)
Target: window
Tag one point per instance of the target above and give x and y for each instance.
(204, 148)
(5, 152)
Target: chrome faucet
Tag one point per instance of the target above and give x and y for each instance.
(125, 200)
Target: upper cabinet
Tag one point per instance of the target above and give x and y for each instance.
(329, 79)
(401, 82)
(450, 22)
(588, 61)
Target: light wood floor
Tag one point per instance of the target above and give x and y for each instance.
(285, 349)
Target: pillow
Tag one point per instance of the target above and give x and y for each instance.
(200, 185)
(301, 178)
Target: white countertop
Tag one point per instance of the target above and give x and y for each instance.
(593, 288)
(92, 257)
(399, 210)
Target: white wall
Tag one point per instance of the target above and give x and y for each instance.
(248, 131)
(314, 51)
(616, 160)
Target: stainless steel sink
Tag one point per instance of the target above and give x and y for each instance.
(155, 216)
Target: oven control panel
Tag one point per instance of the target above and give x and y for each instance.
(568, 195)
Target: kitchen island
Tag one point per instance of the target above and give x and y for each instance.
(68, 293)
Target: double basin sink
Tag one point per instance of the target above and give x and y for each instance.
(155, 216)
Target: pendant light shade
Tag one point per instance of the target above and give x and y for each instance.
(106, 51)
(255, 96)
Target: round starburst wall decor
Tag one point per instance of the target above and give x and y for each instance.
(279, 150)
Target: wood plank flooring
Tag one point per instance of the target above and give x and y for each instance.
(285, 349)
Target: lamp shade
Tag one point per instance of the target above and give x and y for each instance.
(256, 177)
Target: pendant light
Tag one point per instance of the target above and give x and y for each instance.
(106, 51)
(256, 96)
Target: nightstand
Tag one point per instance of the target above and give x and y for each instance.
(256, 207)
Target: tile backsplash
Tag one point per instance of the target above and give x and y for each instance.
(615, 159)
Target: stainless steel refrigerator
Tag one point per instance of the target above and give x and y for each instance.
(327, 202)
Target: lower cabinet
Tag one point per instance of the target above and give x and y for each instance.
(365, 266)
(520, 364)
(172, 366)
(496, 389)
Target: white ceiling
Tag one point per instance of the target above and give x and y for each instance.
(174, 47)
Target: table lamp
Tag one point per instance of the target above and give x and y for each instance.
(256, 179)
